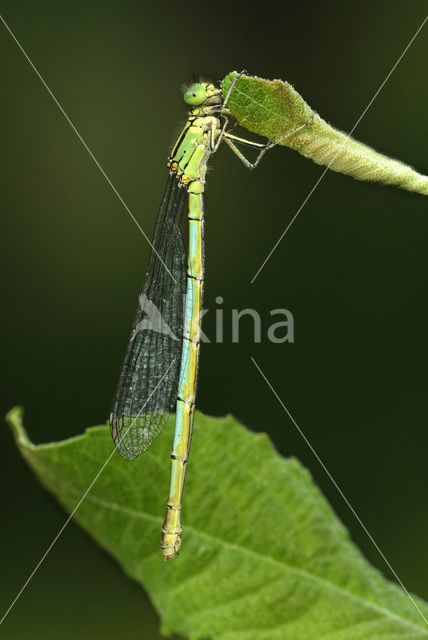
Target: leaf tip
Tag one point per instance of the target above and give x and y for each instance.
(14, 420)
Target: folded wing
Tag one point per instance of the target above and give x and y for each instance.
(148, 382)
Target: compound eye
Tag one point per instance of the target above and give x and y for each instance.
(195, 95)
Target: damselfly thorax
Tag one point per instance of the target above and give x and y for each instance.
(190, 155)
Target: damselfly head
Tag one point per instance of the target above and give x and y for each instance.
(199, 93)
(196, 94)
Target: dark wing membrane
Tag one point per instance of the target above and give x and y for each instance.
(148, 382)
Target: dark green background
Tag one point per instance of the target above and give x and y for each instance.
(353, 268)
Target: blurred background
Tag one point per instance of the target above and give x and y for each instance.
(352, 269)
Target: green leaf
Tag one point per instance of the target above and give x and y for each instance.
(263, 555)
(273, 108)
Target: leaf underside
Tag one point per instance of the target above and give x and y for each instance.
(263, 557)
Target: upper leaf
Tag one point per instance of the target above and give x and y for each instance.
(273, 108)
(263, 556)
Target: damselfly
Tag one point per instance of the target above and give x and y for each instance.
(161, 361)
